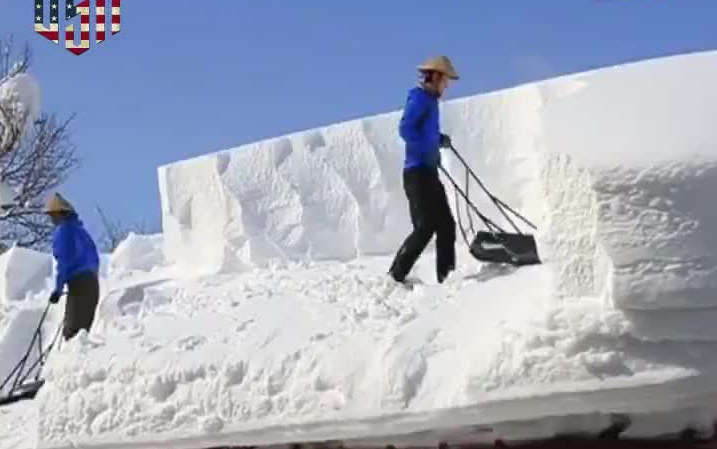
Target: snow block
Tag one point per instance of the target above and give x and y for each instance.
(138, 252)
(615, 167)
(332, 195)
(22, 272)
(21, 95)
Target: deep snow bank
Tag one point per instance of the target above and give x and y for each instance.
(331, 350)
(615, 166)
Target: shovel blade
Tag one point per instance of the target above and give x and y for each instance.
(505, 247)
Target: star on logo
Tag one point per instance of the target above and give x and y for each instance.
(69, 6)
(38, 6)
(54, 6)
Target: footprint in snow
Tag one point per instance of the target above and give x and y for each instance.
(319, 337)
(190, 343)
(244, 326)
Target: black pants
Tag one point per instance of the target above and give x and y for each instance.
(82, 298)
(430, 214)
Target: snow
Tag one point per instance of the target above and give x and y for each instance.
(138, 252)
(22, 272)
(262, 314)
(20, 96)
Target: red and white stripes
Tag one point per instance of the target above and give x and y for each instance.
(83, 9)
(101, 18)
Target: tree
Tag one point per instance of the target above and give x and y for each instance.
(115, 231)
(35, 158)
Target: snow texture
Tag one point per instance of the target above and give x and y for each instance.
(22, 272)
(263, 313)
(20, 97)
(138, 252)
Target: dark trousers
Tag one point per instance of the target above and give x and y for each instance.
(82, 297)
(430, 214)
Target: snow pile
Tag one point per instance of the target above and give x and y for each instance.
(138, 252)
(20, 97)
(23, 272)
(282, 325)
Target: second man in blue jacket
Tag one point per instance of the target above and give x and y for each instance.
(77, 267)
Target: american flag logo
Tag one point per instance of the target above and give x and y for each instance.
(52, 33)
(72, 10)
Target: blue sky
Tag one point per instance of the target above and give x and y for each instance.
(185, 78)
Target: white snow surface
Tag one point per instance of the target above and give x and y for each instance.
(263, 314)
(23, 272)
(19, 96)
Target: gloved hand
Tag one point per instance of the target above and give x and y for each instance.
(445, 141)
(54, 298)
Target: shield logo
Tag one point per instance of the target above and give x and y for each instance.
(70, 11)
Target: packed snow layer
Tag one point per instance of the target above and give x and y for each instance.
(23, 272)
(614, 166)
(331, 350)
(138, 252)
(20, 98)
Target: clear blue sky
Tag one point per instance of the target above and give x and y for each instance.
(185, 78)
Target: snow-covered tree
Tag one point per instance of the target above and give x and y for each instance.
(36, 153)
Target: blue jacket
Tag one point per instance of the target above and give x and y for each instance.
(419, 128)
(74, 250)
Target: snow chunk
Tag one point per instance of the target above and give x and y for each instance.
(138, 252)
(23, 272)
(21, 95)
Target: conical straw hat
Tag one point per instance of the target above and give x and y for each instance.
(440, 64)
(57, 203)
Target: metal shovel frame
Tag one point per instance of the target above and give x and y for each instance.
(21, 389)
(496, 245)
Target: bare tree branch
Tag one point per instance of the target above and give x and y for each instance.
(11, 64)
(114, 231)
(35, 158)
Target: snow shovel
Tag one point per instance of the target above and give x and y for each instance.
(495, 245)
(22, 389)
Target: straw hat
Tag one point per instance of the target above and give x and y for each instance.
(439, 64)
(57, 204)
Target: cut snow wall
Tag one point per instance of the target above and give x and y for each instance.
(23, 272)
(614, 166)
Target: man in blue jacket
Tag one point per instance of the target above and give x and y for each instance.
(77, 267)
(428, 204)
